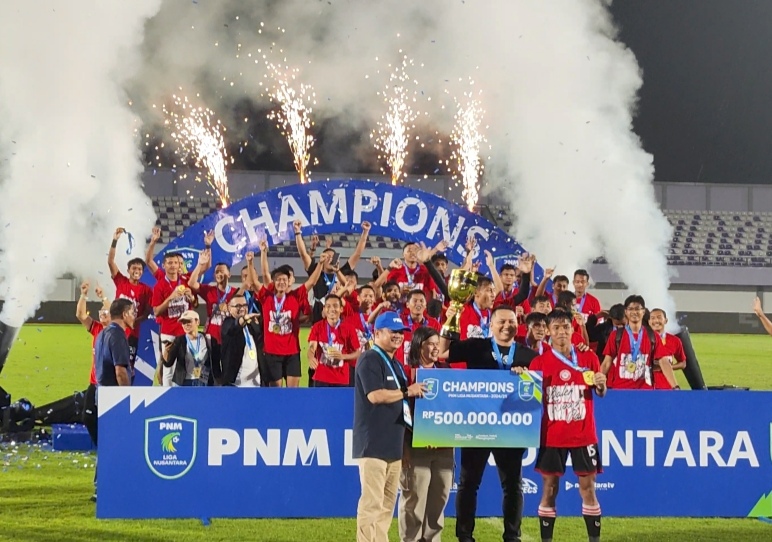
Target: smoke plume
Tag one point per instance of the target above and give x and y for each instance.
(70, 160)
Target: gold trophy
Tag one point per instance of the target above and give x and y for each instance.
(461, 287)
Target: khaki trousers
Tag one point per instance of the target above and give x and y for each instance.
(425, 487)
(379, 480)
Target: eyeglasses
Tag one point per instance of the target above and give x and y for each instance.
(239, 306)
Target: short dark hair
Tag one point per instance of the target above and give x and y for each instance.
(560, 278)
(333, 296)
(540, 299)
(287, 268)
(136, 261)
(482, 282)
(279, 271)
(635, 298)
(218, 264)
(413, 293)
(420, 336)
(389, 285)
(617, 312)
(582, 273)
(559, 315)
(439, 257)
(408, 244)
(119, 306)
(501, 308)
(170, 255)
(566, 298)
(658, 310)
(328, 250)
(507, 267)
(365, 287)
(350, 273)
(535, 318)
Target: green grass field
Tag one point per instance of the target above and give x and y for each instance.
(44, 495)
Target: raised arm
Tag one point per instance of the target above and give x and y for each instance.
(314, 277)
(256, 284)
(425, 256)
(301, 245)
(526, 266)
(353, 260)
(204, 260)
(762, 317)
(154, 237)
(544, 280)
(265, 269)
(111, 253)
(494, 272)
(81, 310)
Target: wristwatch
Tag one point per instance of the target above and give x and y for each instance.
(405, 395)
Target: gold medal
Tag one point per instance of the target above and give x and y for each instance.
(223, 307)
(589, 377)
(276, 329)
(631, 367)
(196, 372)
(252, 353)
(181, 288)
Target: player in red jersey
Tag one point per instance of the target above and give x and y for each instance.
(409, 273)
(390, 301)
(281, 313)
(216, 297)
(475, 318)
(559, 284)
(94, 328)
(628, 355)
(509, 287)
(171, 298)
(536, 338)
(569, 378)
(440, 263)
(414, 317)
(359, 321)
(333, 347)
(669, 350)
(586, 304)
(129, 287)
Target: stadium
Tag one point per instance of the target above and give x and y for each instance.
(256, 195)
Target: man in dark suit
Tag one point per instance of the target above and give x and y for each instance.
(242, 346)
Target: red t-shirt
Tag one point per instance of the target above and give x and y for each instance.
(669, 346)
(539, 348)
(168, 320)
(214, 298)
(403, 353)
(358, 322)
(417, 278)
(569, 419)
(508, 299)
(626, 373)
(95, 329)
(587, 304)
(140, 294)
(280, 327)
(344, 339)
(471, 326)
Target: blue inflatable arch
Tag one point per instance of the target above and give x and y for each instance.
(335, 207)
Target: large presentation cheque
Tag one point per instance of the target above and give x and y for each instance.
(478, 409)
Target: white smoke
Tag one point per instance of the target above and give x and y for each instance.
(70, 161)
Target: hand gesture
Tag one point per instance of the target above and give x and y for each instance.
(475, 267)
(297, 225)
(471, 242)
(366, 227)
(167, 351)
(327, 242)
(442, 246)
(450, 312)
(263, 245)
(334, 354)
(416, 390)
(518, 370)
(757, 309)
(582, 347)
(208, 237)
(118, 233)
(525, 263)
(396, 263)
(519, 311)
(204, 258)
(489, 259)
(579, 317)
(424, 254)
(376, 261)
(599, 380)
(84, 287)
(325, 258)
(549, 272)
(99, 292)
(176, 293)
(250, 256)
(155, 234)
(188, 293)
(314, 242)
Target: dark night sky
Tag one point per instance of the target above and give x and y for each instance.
(706, 104)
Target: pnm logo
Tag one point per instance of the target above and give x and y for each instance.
(432, 386)
(525, 390)
(170, 445)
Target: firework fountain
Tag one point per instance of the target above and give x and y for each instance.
(466, 138)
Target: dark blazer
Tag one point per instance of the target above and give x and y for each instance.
(233, 344)
(177, 354)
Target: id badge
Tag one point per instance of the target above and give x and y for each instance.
(408, 417)
(252, 353)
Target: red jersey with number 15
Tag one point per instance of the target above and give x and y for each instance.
(569, 417)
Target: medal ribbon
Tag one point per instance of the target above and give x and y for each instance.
(131, 243)
(330, 282)
(501, 360)
(224, 296)
(410, 322)
(195, 353)
(574, 363)
(410, 277)
(635, 346)
(485, 323)
(365, 326)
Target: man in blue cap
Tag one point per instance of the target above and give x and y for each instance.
(381, 413)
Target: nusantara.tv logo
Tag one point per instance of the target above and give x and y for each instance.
(170, 445)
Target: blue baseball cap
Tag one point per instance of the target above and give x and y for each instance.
(390, 320)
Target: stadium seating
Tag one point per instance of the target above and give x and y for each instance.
(717, 238)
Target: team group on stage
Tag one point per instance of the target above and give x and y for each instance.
(373, 337)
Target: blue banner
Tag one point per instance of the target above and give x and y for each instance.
(332, 207)
(478, 409)
(228, 452)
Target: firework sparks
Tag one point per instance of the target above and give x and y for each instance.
(199, 137)
(466, 165)
(293, 116)
(393, 133)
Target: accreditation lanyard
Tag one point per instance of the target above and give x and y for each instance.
(504, 362)
(422, 323)
(221, 298)
(250, 344)
(365, 326)
(197, 351)
(410, 276)
(485, 323)
(330, 282)
(635, 346)
(330, 330)
(580, 305)
(406, 415)
(278, 306)
(252, 305)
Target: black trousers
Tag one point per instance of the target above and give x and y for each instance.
(90, 412)
(509, 462)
